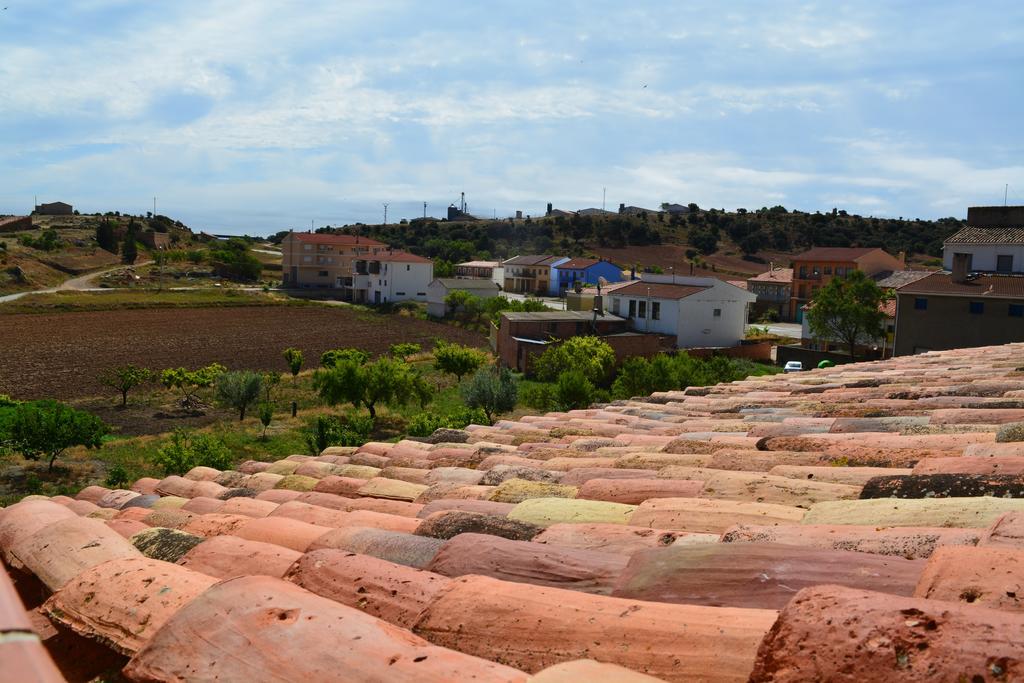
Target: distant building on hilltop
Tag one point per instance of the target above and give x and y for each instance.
(54, 209)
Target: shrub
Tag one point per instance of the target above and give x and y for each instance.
(404, 350)
(328, 430)
(493, 391)
(425, 424)
(117, 477)
(574, 390)
(239, 390)
(1011, 432)
(539, 396)
(293, 357)
(188, 449)
(266, 416)
(590, 356)
(329, 359)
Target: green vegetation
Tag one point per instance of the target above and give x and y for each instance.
(591, 356)
(457, 359)
(847, 310)
(385, 381)
(574, 390)
(330, 359)
(492, 391)
(125, 378)
(122, 299)
(48, 240)
(188, 449)
(233, 261)
(239, 390)
(425, 424)
(329, 430)
(47, 428)
(188, 381)
(404, 350)
(293, 357)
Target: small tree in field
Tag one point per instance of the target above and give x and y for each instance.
(457, 359)
(847, 310)
(293, 357)
(48, 428)
(493, 391)
(124, 378)
(190, 381)
(385, 381)
(239, 390)
(334, 356)
(404, 350)
(266, 415)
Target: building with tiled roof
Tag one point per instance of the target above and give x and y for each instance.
(581, 272)
(773, 289)
(814, 268)
(992, 242)
(858, 523)
(391, 276)
(324, 261)
(946, 311)
(532, 274)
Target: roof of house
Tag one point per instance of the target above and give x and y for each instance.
(398, 256)
(742, 284)
(979, 285)
(557, 316)
(658, 290)
(328, 238)
(595, 212)
(775, 275)
(900, 278)
(294, 569)
(479, 264)
(532, 260)
(578, 263)
(466, 283)
(972, 235)
(835, 253)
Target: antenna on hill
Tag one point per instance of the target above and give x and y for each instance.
(1006, 188)
(154, 207)
(604, 196)
(385, 213)
(424, 209)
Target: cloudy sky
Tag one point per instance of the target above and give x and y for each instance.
(260, 116)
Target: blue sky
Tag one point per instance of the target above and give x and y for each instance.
(260, 116)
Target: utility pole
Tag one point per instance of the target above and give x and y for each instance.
(154, 207)
(424, 209)
(604, 195)
(385, 213)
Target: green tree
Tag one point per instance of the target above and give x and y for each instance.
(293, 357)
(847, 310)
(188, 382)
(105, 237)
(129, 248)
(327, 430)
(457, 359)
(334, 356)
(443, 268)
(385, 381)
(48, 428)
(591, 356)
(239, 390)
(124, 378)
(404, 350)
(574, 390)
(635, 378)
(188, 449)
(493, 391)
(266, 415)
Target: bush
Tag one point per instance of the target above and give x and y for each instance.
(47, 428)
(590, 356)
(239, 390)
(117, 477)
(457, 359)
(328, 430)
(329, 359)
(404, 350)
(1010, 432)
(188, 449)
(539, 396)
(493, 391)
(425, 424)
(574, 390)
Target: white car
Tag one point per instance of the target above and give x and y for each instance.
(793, 366)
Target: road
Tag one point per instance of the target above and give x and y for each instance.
(792, 330)
(79, 284)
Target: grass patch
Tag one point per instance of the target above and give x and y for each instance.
(60, 302)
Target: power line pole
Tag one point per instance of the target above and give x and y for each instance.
(154, 207)
(424, 209)
(385, 213)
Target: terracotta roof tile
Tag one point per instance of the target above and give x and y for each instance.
(657, 290)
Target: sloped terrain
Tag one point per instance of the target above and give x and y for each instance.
(860, 523)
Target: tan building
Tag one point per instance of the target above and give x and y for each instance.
(813, 269)
(324, 261)
(533, 274)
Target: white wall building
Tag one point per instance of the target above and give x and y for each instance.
(698, 311)
(990, 250)
(391, 276)
(442, 287)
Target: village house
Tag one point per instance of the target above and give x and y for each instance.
(442, 287)
(773, 289)
(488, 270)
(391, 276)
(815, 268)
(586, 271)
(54, 209)
(324, 261)
(992, 242)
(697, 312)
(532, 274)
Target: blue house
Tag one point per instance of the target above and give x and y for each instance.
(586, 271)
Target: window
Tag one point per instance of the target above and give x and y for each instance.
(1017, 310)
(399, 293)
(307, 247)
(1004, 263)
(840, 271)
(977, 307)
(643, 310)
(632, 308)
(322, 273)
(615, 306)
(828, 270)
(421, 293)
(307, 259)
(655, 310)
(803, 271)
(920, 304)
(816, 270)
(718, 313)
(407, 267)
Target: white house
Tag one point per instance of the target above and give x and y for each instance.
(443, 286)
(697, 311)
(391, 276)
(991, 250)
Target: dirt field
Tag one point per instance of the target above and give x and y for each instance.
(666, 255)
(60, 355)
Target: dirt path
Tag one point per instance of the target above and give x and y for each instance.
(82, 283)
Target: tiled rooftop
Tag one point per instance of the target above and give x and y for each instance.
(975, 235)
(857, 523)
(976, 286)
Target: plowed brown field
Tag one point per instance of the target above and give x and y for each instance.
(60, 355)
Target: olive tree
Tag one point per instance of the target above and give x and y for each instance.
(239, 390)
(124, 378)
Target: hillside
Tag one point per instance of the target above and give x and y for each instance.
(715, 242)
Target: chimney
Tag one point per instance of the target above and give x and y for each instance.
(960, 264)
(902, 257)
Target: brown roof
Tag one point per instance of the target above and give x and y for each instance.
(343, 240)
(420, 561)
(901, 278)
(401, 257)
(577, 263)
(979, 285)
(658, 290)
(834, 253)
(742, 284)
(972, 235)
(532, 260)
(776, 275)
